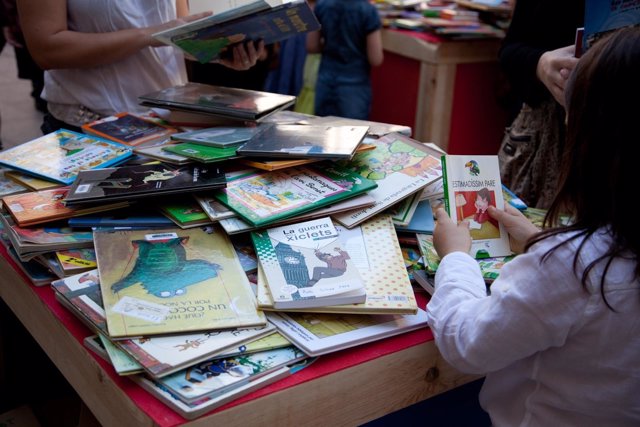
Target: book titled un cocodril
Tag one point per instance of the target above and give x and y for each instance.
(471, 185)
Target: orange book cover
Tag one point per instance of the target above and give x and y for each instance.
(128, 129)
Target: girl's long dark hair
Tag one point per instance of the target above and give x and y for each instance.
(600, 168)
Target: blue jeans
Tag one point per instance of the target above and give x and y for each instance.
(343, 99)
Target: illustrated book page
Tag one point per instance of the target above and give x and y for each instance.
(472, 184)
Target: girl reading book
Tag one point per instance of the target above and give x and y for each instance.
(558, 336)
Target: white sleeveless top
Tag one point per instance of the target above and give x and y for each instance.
(113, 88)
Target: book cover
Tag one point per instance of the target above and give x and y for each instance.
(399, 165)
(208, 38)
(215, 210)
(212, 378)
(31, 182)
(10, 186)
(82, 291)
(172, 281)
(37, 207)
(378, 257)
(202, 153)
(272, 341)
(185, 213)
(306, 265)
(233, 103)
(265, 197)
(604, 16)
(223, 136)
(76, 261)
(137, 217)
(61, 155)
(376, 129)
(158, 152)
(121, 363)
(402, 212)
(128, 129)
(133, 182)
(422, 220)
(471, 185)
(320, 333)
(327, 142)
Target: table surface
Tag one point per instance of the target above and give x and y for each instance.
(349, 387)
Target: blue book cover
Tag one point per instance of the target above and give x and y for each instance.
(422, 220)
(601, 17)
(61, 155)
(209, 38)
(123, 220)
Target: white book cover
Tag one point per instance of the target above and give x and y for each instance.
(306, 265)
(472, 184)
(318, 333)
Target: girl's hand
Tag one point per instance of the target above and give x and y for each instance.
(518, 226)
(450, 237)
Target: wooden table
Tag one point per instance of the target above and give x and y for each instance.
(447, 91)
(349, 387)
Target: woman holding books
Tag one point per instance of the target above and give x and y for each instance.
(100, 55)
(559, 336)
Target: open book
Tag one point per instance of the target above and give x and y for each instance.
(209, 38)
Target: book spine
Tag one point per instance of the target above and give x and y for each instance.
(445, 184)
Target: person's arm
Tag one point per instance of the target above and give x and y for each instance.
(375, 53)
(53, 45)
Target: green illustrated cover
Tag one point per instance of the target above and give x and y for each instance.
(265, 197)
(202, 153)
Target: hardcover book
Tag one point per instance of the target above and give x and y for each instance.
(378, 257)
(306, 265)
(38, 207)
(133, 182)
(232, 103)
(211, 37)
(31, 182)
(172, 281)
(327, 142)
(9, 186)
(128, 129)
(471, 185)
(61, 155)
(185, 213)
(202, 153)
(158, 152)
(262, 197)
(223, 136)
(122, 218)
(320, 333)
(399, 165)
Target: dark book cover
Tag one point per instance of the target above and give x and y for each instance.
(131, 182)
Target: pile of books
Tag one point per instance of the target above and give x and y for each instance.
(204, 280)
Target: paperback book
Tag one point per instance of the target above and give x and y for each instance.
(306, 265)
(158, 152)
(185, 213)
(264, 197)
(471, 185)
(172, 281)
(128, 129)
(203, 153)
(223, 136)
(305, 141)
(399, 165)
(375, 250)
(149, 180)
(61, 155)
(318, 333)
(121, 363)
(226, 102)
(31, 182)
(211, 37)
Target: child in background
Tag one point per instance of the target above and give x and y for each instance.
(350, 43)
(559, 336)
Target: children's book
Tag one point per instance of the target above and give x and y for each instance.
(211, 37)
(185, 213)
(222, 136)
(203, 153)
(471, 185)
(377, 255)
(158, 152)
(128, 129)
(305, 141)
(422, 220)
(208, 404)
(158, 355)
(61, 155)
(172, 281)
(399, 165)
(121, 362)
(264, 197)
(9, 186)
(149, 180)
(212, 378)
(68, 262)
(306, 265)
(376, 129)
(215, 210)
(402, 212)
(322, 333)
(603, 16)
(30, 182)
(36, 272)
(138, 217)
(37, 207)
(225, 102)
(272, 341)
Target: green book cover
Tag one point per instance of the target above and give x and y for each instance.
(185, 212)
(202, 153)
(265, 197)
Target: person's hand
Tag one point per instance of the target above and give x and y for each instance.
(245, 55)
(554, 68)
(518, 226)
(450, 237)
(149, 31)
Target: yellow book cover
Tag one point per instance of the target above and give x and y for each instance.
(172, 281)
(381, 267)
